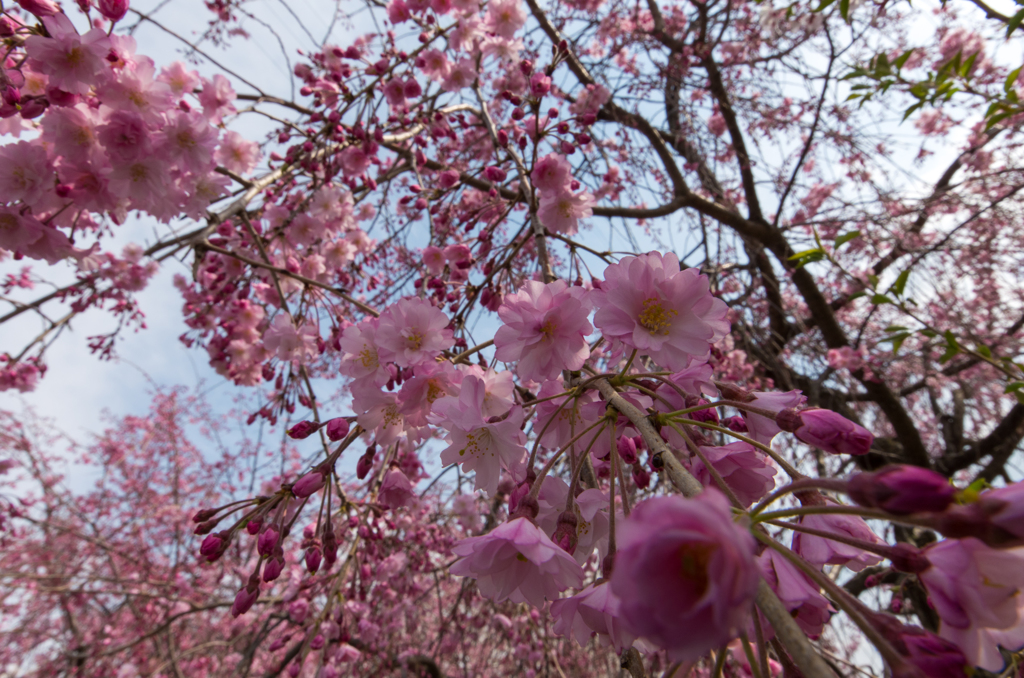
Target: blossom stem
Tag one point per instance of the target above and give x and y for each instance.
(786, 466)
(719, 480)
(797, 486)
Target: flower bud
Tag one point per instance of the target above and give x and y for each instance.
(330, 548)
(826, 430)
(203, 515)
(303, 429)
(214, 546)
(313, 558)
(495, 174)
(274, 567)
(308, 484)
(267, 542)
(40, 8)
(364, 464)
(113, 9)
(641, 477)
(253, 527)
(908, 558)
(902, 490)
(205, 527)
(540, 84)
(627, 450)
(245, 599)
(337, 429)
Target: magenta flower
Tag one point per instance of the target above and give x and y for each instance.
(412, 331)
(648, 304)
(592, 611)
(798, 593)
(976, 589)
(517, 562)
(309, 484)
(828, 431)
(902, 490)
(745, 469)
(685, 573)
(545, 329)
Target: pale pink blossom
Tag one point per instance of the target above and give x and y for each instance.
(762, 428)
(179, 78)
(592, 611)
(517, 562)
(412, 331)
(25, 172)
(17, 230)
(217, 98)
(459, 76)
(435, 64)
(125, 136)
(73, 62)
(236, 153)
(745, 469)
(136, 89)
(976, 590)
(545, 329)
(801, 596)
(506, 17)
(590, 100)
(480, 446)
(395, 490)
(394, 92)
(685, 574)
(430, 382)
(820, 551)
(433, 257)
(561, 211)
(551, 173)
(354, 161)
(378, 411)
(648, 304)
(189, 140)
(398, 12)
(289, 342)
(360, 358)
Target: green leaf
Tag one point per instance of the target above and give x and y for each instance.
(824, 5)
(858, 295)
(984, 350)
(1014, 387)
(844, 10)
(902, 59)
(880, 299)
(1014, 22)
(895, 328)
(1011, 79)
(846, 237)
(882, 66)
(897, 341)
(901, 283)
(931, 334)
(873, 279)
(966, 68)
(909, 111)
(806, 253)
(952, 347)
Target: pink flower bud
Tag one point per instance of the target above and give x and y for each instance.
(244, 600)
(641, 477)
(253, 527)
(337, 429)
(204, 515)
(113, 9)
(40, 8)
(902, 490)
(330, 548)
(495, 174)
(526, 67)
(364, 465)
(308, 484)
(7, 27)
(826, 430)
(448, 178)
(214, 546)
(313, 558)
(267, 541)
(273, 569)
(627, 450)
(303, 429)
(205, 527)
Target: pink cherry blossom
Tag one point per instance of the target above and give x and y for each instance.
(72, 61)
(217, 98)
(821, 551)
(25, 172)
(479, 446)
(237, 153)
(505, 17)
(592, 611)
(395, 490)
(517, 562)
(551, 173)
(648, 304)
(684, 564)
(745, 469)
(545, 329)
(975, 588)
(360, 356)
(291, 342)
(801, 596)
(764, 429)
(412, 331)
(561, 211)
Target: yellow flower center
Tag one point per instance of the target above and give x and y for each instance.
(655, 318)
(368, 358)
